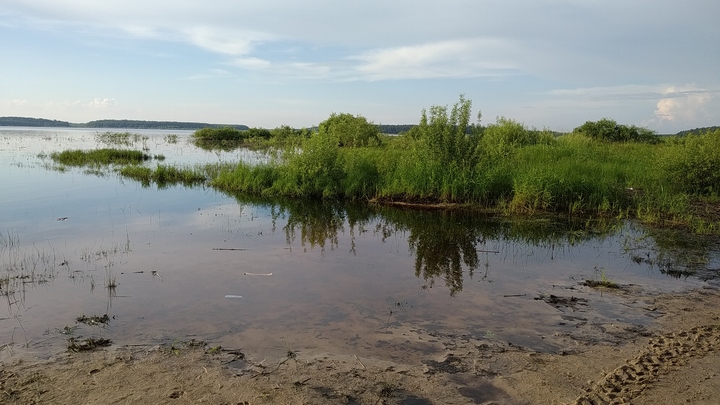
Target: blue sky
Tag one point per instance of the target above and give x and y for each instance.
(547, 63)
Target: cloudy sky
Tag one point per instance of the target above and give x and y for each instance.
(547, 63)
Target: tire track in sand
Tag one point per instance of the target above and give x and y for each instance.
(663, 353)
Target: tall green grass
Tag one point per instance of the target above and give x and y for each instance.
(163, 175)
(105, 156)
(505, 166)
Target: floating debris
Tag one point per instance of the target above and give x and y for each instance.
(93, 320)
(87, 344)
(233, 296)
(258, 274)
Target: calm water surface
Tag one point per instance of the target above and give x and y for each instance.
(344, 278)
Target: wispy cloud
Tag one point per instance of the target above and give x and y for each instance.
(457, 58)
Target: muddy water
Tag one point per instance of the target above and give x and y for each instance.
(272, 276)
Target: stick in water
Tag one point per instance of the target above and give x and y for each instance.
(258, 274)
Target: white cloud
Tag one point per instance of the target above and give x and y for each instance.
(686, 104)
(101, 102)
(458, 58)
(622, 92)
(225, 41)
(251, 63)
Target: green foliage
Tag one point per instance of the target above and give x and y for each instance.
(220, 134)
(349, 130)
(443, 138)
(257, 133)
(99, 157)
(698, 131)
(163, 175)
(692, 163)
(312, 171)
(502, 138)
(505, 166)
(248, 179)
(609, 130)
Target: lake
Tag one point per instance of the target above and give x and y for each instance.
(174, 264)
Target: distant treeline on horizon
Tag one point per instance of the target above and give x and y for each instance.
(128, 124)
(138, 124)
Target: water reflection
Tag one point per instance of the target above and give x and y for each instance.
(338, 269)
(449, 245)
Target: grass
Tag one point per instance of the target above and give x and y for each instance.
(23, 267)
(505, 167)
(604, 281)
(98, 157)
(165, 175)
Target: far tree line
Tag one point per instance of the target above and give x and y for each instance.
(604, 127)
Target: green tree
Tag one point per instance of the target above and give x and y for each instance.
(350, 130)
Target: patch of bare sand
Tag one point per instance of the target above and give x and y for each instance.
(673, 360)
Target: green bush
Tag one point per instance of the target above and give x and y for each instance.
(220, 134)
(349, 130)
(609, 130)
(506, 135)
(692, 163)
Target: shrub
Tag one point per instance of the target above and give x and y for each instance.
(220, 134)
(503, 137)
(611, 131)
(349, 130)
(692, 164)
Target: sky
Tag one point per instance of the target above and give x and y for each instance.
(264, 63)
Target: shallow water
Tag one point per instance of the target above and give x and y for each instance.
(344, 278)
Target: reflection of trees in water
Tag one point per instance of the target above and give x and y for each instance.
(445, 243)
(318, 223)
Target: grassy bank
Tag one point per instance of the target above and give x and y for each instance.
(601, 169)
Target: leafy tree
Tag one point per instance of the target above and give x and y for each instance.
(349, 130)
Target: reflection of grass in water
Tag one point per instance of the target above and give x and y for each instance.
(110, 281)
(23, 267)
(672, 252)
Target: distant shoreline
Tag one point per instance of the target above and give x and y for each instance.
(111, 124)
(139, 124)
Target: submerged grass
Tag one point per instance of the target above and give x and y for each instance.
(120, 138)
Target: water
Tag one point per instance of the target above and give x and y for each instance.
(354, 279)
